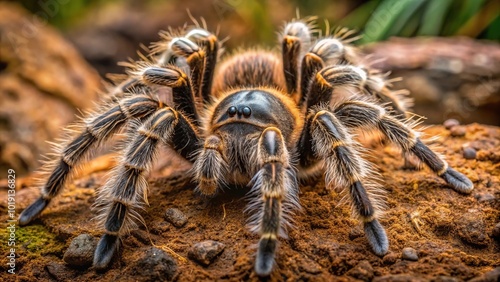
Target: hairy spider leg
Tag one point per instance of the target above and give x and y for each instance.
(346, 168)
(95, 130)
(365, 114)
(296, 39)
(372, 116)
(210, 44)
(126, 190)
(274, 184)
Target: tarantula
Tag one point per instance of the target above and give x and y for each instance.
(259, 120)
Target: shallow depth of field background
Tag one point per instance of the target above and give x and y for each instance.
(106, 32)
(256, 22)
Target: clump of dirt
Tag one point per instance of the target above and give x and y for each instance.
(452, 234)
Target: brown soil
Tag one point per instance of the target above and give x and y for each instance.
(452, 233)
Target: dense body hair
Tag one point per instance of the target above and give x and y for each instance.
(249, 69)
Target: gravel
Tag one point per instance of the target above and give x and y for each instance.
(155, 265)
(449, 123)
(472, 230)
(390, 258)
(363, 271)
(81, 251)
(205, 252)
(176, 217)
(484, 197)
(493, 275)
(469, 153)
(409, 254)
(496, 232)
(457, 131)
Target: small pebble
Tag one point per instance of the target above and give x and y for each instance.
(409, 254)
(397, 277)
(155, 265)
(363, 271)
(142, 236)
(484, 197)
(469, 153)
(457, 131)
(496, 232)
(472, 230)
(355, 233)
(58, 271)
(176, 217)
(205, 252)
(492, 275)
(449, 123)
(443, 278)
(81, 251)
(390, 258)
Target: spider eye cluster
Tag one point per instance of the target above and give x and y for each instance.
(244, 110)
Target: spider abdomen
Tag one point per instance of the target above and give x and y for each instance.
(249, 69)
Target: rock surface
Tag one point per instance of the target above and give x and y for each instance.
(43, 84)
(464, 84)
(81, 251)
(176, 217)
(409, 254)
(154, 265)
(205, 252)
(472, 229)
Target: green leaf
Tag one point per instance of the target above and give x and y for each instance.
(386, 15)
(493, 30)
(434, 16)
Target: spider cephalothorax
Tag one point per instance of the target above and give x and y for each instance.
(259, 119)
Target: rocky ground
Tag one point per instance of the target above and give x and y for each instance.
(435, 233)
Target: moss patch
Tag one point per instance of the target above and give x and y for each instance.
(38, 241)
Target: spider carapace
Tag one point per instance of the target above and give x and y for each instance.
(258, 119)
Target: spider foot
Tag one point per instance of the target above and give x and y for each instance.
(265, 256)
(377, 237)
(458, 181)
(105, 250)
(33, 211)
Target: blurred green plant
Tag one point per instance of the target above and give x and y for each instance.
(381, 19)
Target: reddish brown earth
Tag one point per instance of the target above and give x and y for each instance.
(451, 233)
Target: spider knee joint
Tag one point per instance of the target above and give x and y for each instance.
(171, 77)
